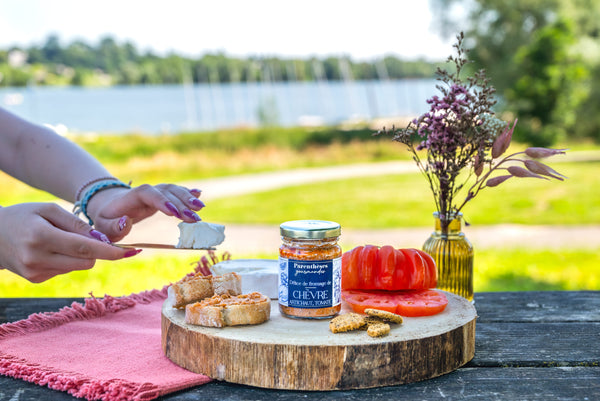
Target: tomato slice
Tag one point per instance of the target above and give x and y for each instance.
(410, 303)
(366, 267)
(361, 300)
(419, 302)
(431, 266)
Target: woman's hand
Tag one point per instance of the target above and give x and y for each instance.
(41, 240)
(115, 210)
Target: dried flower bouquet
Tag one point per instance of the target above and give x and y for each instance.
(463, 139)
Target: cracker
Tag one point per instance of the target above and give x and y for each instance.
(378, 329)
(369, 320)
(384, 315)
(347, 322)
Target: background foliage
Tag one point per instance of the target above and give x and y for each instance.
(112, 63)
(543, 56)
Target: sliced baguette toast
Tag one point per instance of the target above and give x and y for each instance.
(198, 287)
(226, 310)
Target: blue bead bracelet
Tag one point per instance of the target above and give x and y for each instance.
(81, 206)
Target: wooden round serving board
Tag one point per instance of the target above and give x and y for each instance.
(294, 354)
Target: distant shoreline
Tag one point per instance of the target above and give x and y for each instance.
(169, 109)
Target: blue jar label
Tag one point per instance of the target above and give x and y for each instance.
(310, 284)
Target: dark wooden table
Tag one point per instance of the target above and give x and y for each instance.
(529, 346)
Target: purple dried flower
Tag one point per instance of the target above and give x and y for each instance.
(523, 173)
(503, 141)
(493, 182)
(203, 265)
(539, 153)
(540, 168)
(478, 164)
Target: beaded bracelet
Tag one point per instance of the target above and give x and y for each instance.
(81, 206)
(90, 182)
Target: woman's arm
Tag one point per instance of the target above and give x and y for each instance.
(41, 240)
(43, 159)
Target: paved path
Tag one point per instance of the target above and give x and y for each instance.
(250, 183)
(264, 239)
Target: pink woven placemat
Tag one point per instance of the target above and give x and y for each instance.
(105, 349)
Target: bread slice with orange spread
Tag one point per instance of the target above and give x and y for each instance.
(229, 310)
(198, 287)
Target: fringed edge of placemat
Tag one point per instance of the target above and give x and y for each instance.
(92, 308)
(77, 384)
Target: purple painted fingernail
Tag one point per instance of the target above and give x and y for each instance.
(173, 209)
(132, 252)
(197, 203)
(191, 215)
(99, 236)
(122, 223)
(195, 192)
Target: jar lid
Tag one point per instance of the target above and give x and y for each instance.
(310, 229)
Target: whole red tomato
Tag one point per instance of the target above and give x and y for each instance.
(372, 268)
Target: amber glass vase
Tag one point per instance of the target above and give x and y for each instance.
(453, 254)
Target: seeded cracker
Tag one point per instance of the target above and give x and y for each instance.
(378, 329)
(347, 322)
(384, 315)
(370, 320)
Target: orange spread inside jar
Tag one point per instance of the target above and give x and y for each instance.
(310, 262)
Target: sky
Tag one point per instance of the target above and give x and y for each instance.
(363, 30)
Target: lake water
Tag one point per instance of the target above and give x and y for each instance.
(174, 108)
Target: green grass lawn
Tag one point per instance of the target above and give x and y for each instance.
(117, 278)
(495, 270)
(387, 201)
(391, 201)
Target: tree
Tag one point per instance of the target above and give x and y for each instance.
(52, 51)
(109, 62)
(547, 93)
(79, 54)
(588, 115)
(109, 56)
(509, 38)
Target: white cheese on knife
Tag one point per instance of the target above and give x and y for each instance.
(200, 235)
(257, 274)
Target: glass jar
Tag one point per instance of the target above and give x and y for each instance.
(310, 269)
(453, 255)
